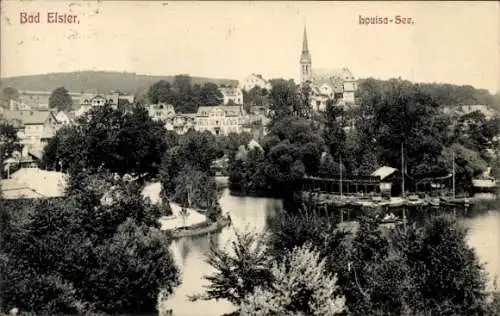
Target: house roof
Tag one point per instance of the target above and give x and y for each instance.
(229, 92)
(41, 183)
(28, 117)
(228, 110)
(254, 144)
(326, 73)
(384, 172)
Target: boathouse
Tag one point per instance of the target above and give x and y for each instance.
(389, 178)
(337, 185)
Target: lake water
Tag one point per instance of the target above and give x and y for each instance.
(252, 213)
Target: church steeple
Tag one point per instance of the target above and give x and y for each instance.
(305, 48)
(305, 60)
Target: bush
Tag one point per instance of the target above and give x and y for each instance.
(96, 250)
(301, 286)
(239, 270)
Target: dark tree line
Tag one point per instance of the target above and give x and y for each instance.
(184, 95)
(124, 142)
(392, 118)
(425, 270)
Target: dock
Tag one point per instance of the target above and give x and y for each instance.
(392, 202)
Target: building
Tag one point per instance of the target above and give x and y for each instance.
(161, 112)
(39, 99)
(64, 118)
(182, 122)
(34, 129)
(232, 95)
(326, 84)
(220, 120)
(388, 177)
(28, 183)
(252, 81)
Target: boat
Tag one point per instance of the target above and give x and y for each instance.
(434, 202)
(390, 219)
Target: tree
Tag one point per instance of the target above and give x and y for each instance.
(160, 92)
(194, 188)
(447, 274)
(118, 141)
(96, 250)
(60, 100)
(373, 276)
(9, 143)
(284, 98)
(210, 94)
(8, 94)
(301, 286)
(238, 270)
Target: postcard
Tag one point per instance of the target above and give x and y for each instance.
(247, 157)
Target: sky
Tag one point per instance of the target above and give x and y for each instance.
(451, 42)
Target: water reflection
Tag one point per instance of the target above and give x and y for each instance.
(255, 213)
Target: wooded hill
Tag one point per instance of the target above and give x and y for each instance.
(102, 81)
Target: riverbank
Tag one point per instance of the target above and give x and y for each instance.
(202, 228)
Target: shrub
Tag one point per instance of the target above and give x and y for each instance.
(239, 270)
(301, 286)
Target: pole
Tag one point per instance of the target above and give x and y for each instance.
(341, 176)
(453, 184)
(402, 170)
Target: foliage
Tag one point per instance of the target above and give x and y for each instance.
(296, 229)
(67, 255)
(291, 149)
(193, 150)
(373, 277)
(238, 270)
(284, 98)
(121, 142)
(194, 188)
(9, 143)
(127, 82)
(231, 143)
(301, 286)
(183, 95)
(447, 273)
(60, 99)
(8, 94)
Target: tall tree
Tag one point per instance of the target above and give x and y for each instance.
(160, 92)
(60, 99)
(284, 98)
(8, 94)
(210, 94)
(9, 143)
(122, 142)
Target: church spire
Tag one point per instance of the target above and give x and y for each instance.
(305, 48)
(305, 60)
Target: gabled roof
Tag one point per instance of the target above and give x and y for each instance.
(28, 117)
(384, 172)
(228, 110)
(326, 73)
(34, 183)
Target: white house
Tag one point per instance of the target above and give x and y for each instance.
(326, 84)
(34, 128)
(220, 120)
(232, 95)
(252, 81)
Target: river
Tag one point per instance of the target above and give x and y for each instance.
(251, 213)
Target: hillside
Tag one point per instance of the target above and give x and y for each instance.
(102, 81)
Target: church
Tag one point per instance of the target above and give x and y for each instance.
(326, 84)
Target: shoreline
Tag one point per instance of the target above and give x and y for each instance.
(194, 231)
